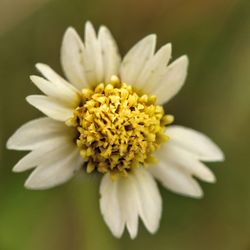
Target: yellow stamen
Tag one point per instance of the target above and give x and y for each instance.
(118, 129)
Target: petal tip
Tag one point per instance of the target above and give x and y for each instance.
(198, 194)
(29, 99)
(153, 230)
(38, 65)
(70, 29)
(169, 47)
(15, 169)
(32, 185)
(89, 25)
(69, 32)
(185, 61)
(221, 155)
(152, 37)
(32, 77)
(133, 235)
(28, 184)
(210, 178)
(9, 143)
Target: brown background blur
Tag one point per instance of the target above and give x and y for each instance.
(215, 100)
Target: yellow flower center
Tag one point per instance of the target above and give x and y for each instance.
(118, 129)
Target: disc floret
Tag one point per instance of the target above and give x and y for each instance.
(118, 129)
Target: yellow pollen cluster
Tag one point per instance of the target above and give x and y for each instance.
(118, 130)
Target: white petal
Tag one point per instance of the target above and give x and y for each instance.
(45, 153)
(110, 54)
(34, 133)
(136, 58)
(129, 204)
(172, 154)
(176, 179)
(50, 107)
(60, 92)
(150, 204)
(110, 206)
(54, 78)
(66, 163)
(72, 58)
(154, 69)
(173, 80)
(196, 143)
(126, 198)
(93, 61)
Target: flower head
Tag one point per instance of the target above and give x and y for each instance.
(107, 118)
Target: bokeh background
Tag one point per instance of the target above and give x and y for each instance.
(215, 100)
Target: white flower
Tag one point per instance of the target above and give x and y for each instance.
(114, 128)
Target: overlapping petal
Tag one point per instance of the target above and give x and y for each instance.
(176, 179)
(136, 58)
(110, 54)
(154, 69)
(35, 133)
(180, 160)
(60, 167)
(51, 107)
(72, 58)
(172, 81)
(93, 61)
(124, 199)
(149, 72)
(196, 143)
(56, 79)
(53, 152)
(60, 92)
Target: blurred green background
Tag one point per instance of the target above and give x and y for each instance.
(216, 100)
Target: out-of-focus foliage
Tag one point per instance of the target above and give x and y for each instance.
(215, 100)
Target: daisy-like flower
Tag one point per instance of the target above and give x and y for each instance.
(107, 117)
